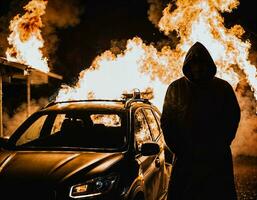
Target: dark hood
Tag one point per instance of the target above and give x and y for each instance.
(199, 55)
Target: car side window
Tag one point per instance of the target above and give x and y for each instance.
(32, 132)
(152, 123)
(157, 115)
(141, 130)
(57, 123)
(158, 118)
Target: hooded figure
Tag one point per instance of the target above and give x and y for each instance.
(199, 119)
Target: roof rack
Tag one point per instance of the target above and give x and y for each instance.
(82, 100)
(134, 97)
(127, 98)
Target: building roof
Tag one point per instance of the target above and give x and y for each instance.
(21, 71)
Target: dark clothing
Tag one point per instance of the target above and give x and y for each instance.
(199, 119)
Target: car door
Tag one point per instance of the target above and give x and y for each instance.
(160, 158)
(148, 167)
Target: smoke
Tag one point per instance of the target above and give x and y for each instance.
(11, 123)
(245, 142)
(3, 36)
(118, 46)
(155, 10)
(59, 15)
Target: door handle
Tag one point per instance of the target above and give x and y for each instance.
(157, 162)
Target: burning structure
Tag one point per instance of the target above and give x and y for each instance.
(24, 59)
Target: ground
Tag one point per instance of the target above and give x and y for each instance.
(245, 170)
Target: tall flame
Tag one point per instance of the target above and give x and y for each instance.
(109, 76)
(200, 20)
(25, 37)
(143, 66)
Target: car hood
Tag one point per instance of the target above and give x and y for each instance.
(51, 167)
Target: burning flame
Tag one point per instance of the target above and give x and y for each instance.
(109, 76)
(143, 66)
(25, 37)
(200, 20)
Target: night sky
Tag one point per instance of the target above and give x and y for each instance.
(74, 45)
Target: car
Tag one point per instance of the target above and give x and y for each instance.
(88, 149)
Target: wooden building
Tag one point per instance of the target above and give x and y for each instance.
(11, 71)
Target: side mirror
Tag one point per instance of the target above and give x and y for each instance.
(150, 149)
(3, 142)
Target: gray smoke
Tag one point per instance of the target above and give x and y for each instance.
(245, 142)
(11, 123)
(59, 15)
(118, 46)
(155, 10)
(3, 37)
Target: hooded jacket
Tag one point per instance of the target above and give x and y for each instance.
(199, 119)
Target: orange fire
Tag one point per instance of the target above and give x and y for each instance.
(200, 20)
(111, 75)
(25, 37)
(142, 66)
(109, 120)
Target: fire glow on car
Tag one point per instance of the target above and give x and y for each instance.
(88, 149)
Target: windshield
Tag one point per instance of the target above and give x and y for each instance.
(74, 129)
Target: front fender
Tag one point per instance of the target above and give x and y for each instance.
(135, 188)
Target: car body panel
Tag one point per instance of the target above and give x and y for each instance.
(52, 171)
(51, 166)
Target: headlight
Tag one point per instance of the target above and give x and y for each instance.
(93, 187)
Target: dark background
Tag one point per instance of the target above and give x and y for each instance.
(100, 24)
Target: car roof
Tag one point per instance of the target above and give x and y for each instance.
(123, 104)
(85, 105)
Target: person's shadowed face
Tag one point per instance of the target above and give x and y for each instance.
(199, 72)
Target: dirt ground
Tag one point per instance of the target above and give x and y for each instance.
(245, 171)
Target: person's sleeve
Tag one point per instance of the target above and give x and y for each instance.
(166, 119)
(232, 114)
